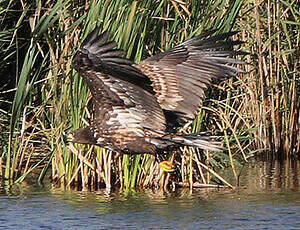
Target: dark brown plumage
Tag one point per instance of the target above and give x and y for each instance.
(136, 106)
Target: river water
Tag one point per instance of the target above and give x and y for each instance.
(266, 199)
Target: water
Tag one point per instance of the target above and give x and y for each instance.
(262, 204)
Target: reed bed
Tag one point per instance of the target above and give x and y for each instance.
(42, 97)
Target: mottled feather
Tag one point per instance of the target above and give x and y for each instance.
(181, 75)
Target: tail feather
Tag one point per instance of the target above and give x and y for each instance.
(200, 140)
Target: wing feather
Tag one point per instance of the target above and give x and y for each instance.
(181, 75)
(123, 112)
(104, 57)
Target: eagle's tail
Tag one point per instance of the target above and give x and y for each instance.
(200, 140)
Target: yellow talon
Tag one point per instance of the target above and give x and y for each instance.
(167, 166)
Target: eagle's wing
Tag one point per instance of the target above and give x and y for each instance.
(180, 76)
(105, 58)
(126, 111)
(126, 114)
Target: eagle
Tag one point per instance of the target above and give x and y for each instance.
(138, 107)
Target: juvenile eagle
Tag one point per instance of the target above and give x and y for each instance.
(137, 106)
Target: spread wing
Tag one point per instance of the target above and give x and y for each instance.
(125, 113)
(107, 59)
(125, 108)
(181, 75)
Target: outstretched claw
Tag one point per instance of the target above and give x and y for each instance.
(166, 166)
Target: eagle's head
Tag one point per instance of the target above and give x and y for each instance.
(82, 136)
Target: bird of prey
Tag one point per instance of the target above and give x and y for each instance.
(138, 106)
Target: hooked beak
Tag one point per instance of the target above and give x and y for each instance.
(69, 137)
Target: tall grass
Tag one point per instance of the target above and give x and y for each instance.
(274, 82)
(256, 112)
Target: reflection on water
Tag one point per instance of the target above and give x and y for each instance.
(263, 175)
(266, 199)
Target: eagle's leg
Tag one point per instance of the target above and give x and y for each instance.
(165, 165)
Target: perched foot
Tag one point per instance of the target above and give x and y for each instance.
(167, 166)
